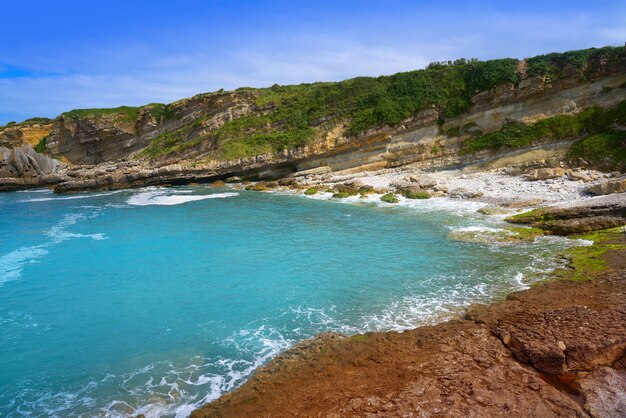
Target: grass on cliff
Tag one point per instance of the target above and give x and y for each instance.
(27, 122)
(606, 150)
(290, 116)
(293, 113)
(41, 145)
(591, 121)
(126, 113)
(123, 113)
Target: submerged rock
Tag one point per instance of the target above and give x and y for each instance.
(493, 210)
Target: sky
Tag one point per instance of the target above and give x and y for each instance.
(64, 54)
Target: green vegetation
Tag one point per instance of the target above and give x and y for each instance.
(535, 215)
(160, 111)
(585, 63)
(33, 121)
(605, 149)
(343, 195)
(250, 401)
(359, 337)
(454, 131)
(389, 198)
(514, 135)
(417, 195)
(525, 234)
(586, 262)
(364, 102)
(41, 145)
(126, 113)
(291, 116)
(311, 191)
(30, 121)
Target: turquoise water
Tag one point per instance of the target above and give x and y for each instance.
(155, 301)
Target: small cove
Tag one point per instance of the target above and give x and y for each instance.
(156, 301)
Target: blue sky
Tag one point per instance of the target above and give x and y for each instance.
(59, 55)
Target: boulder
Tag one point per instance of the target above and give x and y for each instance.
(424, 181)
(462, 193)
(608, 187)
(572, 218)
(545, 174)
(579, 225)
(579, 175)
(218, 183)
(493, 210)
(350, 188)
(288, 182)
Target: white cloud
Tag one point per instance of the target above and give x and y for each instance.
(135, 73)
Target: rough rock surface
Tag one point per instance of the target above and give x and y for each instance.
(605, 393)
(23, 168)
(545, 174)
(592, 214)
(25, 162)
(609, 187)
(552, 351)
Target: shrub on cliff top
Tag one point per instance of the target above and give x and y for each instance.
(126, 113)
(290, 116)
(586, 62)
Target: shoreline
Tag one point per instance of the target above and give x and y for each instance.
(501, 191)
(526, 354)
(282, 378)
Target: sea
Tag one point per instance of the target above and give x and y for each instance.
(156, 301)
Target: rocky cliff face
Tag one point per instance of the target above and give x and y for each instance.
(21, 167)
(27, 133)
(186, 139)
(98, 138)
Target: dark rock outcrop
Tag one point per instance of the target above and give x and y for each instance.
(574, 218)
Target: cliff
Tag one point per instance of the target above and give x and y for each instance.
(449, 114)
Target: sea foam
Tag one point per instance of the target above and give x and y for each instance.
(162, 198)
(82, 196)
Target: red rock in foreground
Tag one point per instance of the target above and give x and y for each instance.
(552, 351)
